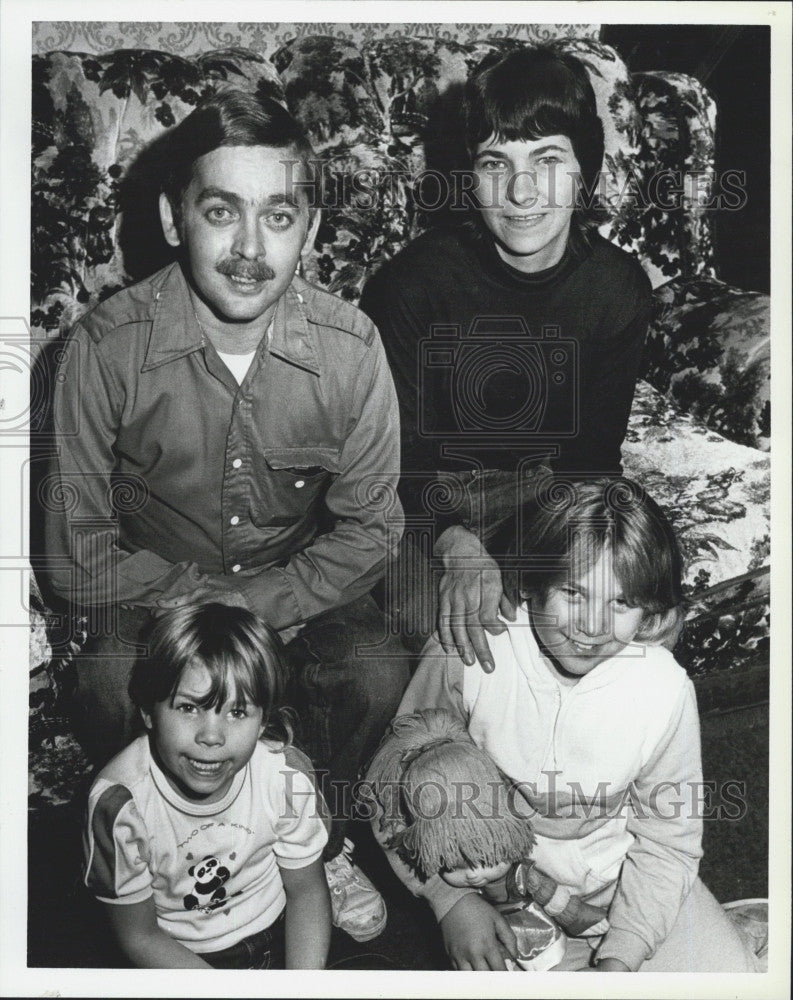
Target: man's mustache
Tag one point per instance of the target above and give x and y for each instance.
(250, 270)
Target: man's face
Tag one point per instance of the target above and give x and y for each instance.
(526, 191)
(244, 223)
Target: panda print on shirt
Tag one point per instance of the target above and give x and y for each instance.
(208, 894)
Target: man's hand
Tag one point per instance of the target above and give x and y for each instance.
(476, 936)
(470, 596)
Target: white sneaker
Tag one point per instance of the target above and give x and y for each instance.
(358, 908)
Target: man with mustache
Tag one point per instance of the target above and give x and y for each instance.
(238, 442)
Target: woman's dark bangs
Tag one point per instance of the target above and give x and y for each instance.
(525, 117)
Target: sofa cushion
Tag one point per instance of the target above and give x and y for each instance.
(716, 492)
(677, 168)
(726, 641)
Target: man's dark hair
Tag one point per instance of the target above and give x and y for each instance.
(531, 93)
(237, 118)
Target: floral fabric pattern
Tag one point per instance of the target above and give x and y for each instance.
(709, 349)
(677, 163)
(727, 633)
(716, 492)
(56, 763)
(385, 111)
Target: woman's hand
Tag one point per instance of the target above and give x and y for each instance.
(471, 594)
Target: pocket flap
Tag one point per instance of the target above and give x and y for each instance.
(310, 461)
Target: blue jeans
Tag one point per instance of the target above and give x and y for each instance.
(264, 950)
(347, 675)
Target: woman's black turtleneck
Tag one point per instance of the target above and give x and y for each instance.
(494, 366)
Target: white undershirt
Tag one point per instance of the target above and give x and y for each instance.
(237, 364)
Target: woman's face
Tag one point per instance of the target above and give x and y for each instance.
(526, 191)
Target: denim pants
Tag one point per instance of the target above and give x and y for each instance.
(264, 950)
(347, 675)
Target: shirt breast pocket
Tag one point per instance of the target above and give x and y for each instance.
(292, 484)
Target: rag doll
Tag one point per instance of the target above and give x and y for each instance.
(447, 810)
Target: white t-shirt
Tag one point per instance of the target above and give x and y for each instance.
(212, 868)
(237, 364)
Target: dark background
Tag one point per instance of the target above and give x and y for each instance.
(733, 62)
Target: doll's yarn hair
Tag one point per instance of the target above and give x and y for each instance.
(444, 803)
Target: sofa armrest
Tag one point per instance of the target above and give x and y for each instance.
(709, 349)
(716, 492)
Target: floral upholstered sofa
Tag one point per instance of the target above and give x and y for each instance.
(380, 104)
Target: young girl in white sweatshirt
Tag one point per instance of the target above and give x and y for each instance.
(595, 723)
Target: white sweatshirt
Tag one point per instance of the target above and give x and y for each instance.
(609, 772)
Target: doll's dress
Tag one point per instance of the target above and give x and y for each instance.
(541, 941)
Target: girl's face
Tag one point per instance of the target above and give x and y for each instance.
(584, 620)
(526, 191)
(201, 749)
(475, 878)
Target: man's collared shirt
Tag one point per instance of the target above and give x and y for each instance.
(171, 476)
